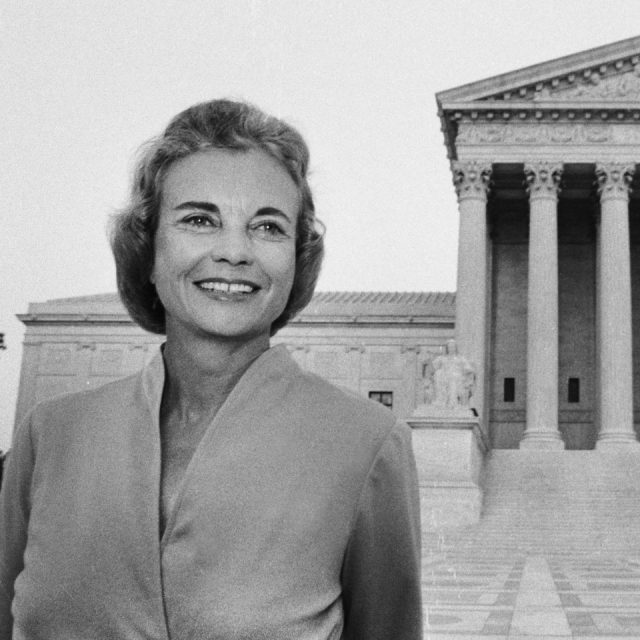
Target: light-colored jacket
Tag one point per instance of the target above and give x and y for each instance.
(298, 517)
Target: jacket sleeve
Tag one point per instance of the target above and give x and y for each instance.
(14, 519)
(381, 570)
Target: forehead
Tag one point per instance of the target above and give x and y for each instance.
(224, 174)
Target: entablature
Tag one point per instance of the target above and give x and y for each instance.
(569, 142)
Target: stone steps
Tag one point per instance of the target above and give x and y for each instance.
(555, 501)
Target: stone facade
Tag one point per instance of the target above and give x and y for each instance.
(544, 163)
(371, 343)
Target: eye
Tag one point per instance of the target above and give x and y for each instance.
(270, 228)
(198, 221)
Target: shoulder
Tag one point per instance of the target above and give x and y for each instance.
(338, 412)
(64, 415)
(67, 404)
(339, 400)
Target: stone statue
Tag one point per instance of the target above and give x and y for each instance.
(448, 380)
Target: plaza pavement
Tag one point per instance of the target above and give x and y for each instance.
(556, 553)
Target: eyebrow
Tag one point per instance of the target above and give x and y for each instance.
(272, 211)
(204, 206)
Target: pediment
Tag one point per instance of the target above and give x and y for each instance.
(608, 74)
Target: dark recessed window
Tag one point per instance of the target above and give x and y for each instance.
(574, 390)
(383, 397)
(509, 390)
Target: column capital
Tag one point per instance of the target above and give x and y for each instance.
(471, 179)
(543, 179)
(614, 180)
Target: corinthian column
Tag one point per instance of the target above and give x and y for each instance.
(542, 308)
(471, 180)
(614, 306)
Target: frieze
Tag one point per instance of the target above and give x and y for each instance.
(548, 134)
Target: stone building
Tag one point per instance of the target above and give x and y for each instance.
(548, 294)
(544, 164)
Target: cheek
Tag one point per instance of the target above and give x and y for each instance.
(171, 256)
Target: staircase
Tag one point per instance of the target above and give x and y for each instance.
(555, 502)
(555, 555)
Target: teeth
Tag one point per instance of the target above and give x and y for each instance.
(234, 287)
(241, 288)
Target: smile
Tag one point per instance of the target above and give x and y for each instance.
(223, 286)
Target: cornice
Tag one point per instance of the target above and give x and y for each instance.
(549, 110)
(86, 320)
(74, 318)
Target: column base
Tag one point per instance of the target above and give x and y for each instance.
(544, 440)
(616, 440)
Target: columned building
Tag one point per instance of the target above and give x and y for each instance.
(544, 162)
(545, 167)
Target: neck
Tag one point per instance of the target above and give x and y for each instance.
(202, 372)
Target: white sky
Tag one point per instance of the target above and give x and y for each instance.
(84, 82)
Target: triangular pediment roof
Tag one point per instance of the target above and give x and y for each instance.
(603, 79)
(590, 74)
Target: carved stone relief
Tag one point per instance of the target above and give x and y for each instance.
(550, 134)
(622, 87)
(448, 383)
(614, 179)
(543, 179)
(471, 179)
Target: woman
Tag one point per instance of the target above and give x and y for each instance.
(221, 493)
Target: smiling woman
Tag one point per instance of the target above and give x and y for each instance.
(222, 492)
(225, 245)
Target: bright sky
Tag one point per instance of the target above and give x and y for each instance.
(86, 81)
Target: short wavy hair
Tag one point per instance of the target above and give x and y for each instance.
(217, 124)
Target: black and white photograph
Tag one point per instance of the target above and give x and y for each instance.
(320, 320)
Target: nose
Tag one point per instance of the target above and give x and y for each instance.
(232, 245)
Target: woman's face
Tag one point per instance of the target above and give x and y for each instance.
(225, 244)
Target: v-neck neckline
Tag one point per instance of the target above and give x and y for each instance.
(154, 379)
